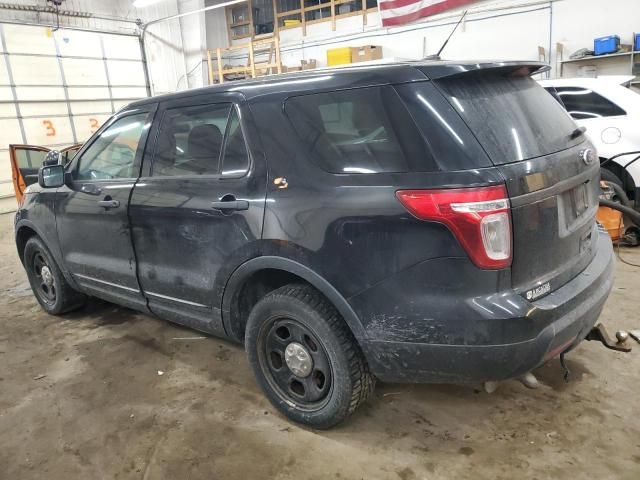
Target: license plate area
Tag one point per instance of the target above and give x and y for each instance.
(574, 206)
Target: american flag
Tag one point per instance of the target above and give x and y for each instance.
(399, 12)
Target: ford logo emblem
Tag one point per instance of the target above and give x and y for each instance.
(588, 156)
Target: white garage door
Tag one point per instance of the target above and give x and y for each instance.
(57, 88)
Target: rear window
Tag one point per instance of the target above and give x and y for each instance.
(582, 103)
(513, 118)
(365, 130)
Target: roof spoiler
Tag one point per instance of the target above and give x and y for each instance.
(437, 70)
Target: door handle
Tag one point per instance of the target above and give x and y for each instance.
(230, 205)
(109, 203)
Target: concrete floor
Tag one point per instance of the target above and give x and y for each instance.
(80, 397)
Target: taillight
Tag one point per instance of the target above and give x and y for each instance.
(480, 219)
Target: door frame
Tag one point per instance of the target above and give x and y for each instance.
(19, 185)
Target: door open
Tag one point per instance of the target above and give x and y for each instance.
(26, 160)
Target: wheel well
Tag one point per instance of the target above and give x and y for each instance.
(254, 288)
(23, 235)
(627, 180)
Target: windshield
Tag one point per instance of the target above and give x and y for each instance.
(513, 117)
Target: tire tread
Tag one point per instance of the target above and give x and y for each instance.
(362, 379)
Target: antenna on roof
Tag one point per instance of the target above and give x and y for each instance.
(437, 55)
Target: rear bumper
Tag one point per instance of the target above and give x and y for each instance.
(550, 326)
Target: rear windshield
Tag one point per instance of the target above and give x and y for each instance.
(513, 117)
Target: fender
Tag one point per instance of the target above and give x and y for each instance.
(244, 271)
(53, 246)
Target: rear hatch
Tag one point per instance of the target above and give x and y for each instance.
(551, 180)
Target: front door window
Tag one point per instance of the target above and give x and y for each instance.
(112, 155)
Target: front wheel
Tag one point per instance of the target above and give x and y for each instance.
(305, 358)
(49, 286)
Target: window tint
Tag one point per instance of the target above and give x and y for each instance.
(582, 103)
(512, 117)
(366, 130)
(113, 153)
(236, 157)
(190, 140)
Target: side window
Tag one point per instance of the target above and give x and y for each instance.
(235, 162)
(190, 140)
(582, 103)
(365, 130)
(113, 153)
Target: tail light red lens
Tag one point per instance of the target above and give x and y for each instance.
(480, 218)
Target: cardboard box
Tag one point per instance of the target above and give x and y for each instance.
(308, 64)
(366, 53)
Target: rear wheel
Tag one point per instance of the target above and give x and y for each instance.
(305, 358)
(49, 286)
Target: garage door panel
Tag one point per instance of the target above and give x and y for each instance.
(4, 76)
(125, 72)
(9, 131)
(48, 131)
(5, 94)
(6, 184)
(79, 71)
(119, 46)
(86, 125)
(35, 70)
(129, 92)
(43, 108)
(120, 104)
(90, 107)
(29, 39)
(76, 43)
(40, 93)
(8, 110)
(88, 93)
(50, 110)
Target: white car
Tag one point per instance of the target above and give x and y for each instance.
(610, 111)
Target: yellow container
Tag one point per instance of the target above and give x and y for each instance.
(291, 23)
(338, 56)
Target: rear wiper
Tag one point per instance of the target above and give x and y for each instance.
(577, 132)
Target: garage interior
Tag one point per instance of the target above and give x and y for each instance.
(107, 392)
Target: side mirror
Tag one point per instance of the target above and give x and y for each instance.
(54, 157)
(51, 176)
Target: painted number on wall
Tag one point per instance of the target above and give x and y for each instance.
(50, 129)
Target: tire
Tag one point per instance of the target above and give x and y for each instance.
(49, 286)
(330, 380)
(609, 176)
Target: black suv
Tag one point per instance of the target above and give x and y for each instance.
(416, 222)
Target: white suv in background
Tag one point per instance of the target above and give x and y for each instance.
(610, 111)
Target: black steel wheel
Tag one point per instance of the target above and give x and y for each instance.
(305, 358)
(49, 286)
(295, 362)
(45, 285)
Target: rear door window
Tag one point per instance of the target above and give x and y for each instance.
(583, 103)
(190, 140)
(512, 117)
(365, 130)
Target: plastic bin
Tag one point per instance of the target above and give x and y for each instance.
(636, 43)
(606, 45)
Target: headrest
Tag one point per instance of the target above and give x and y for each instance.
(204, 141)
